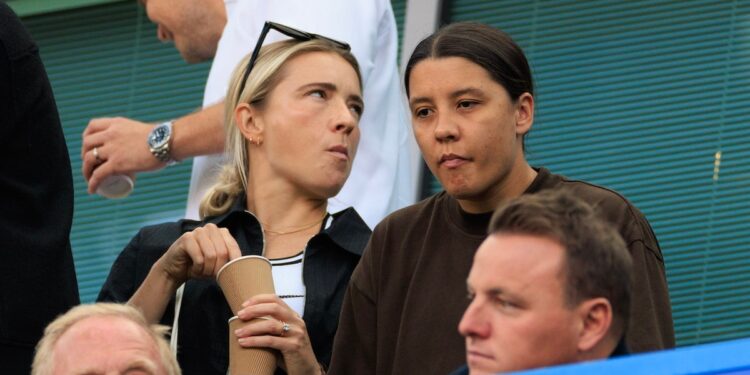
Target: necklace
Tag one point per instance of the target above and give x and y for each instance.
(291, 230)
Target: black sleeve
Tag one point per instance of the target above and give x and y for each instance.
(135, 261)
(121, 283)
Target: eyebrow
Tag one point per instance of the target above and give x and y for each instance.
(452, 95)
(493, 292)
(331, 87)
(142, 364)
(138, 364)
(496, 292)
(468, 90)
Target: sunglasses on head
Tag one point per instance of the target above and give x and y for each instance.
(290, 32)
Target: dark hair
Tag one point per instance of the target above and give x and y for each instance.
(597, 262)
(486, 46)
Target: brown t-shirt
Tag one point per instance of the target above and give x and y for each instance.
(408, 293)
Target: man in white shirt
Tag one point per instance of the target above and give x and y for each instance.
(382, 178)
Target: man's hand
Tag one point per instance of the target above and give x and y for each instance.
(121, 149)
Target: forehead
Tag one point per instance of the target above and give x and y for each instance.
(109, 324)
(438, 76)
(320, 67)
(109, 333)
(517, 262)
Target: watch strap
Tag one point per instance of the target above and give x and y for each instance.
(162, 153)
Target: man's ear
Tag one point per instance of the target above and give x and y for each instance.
(524, 113)
(596, 319)
(248, 122)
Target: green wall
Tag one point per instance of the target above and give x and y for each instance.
(25, 8)
(651, 98)
(106, 61)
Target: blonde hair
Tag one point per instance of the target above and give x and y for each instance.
(43, 359)
(265, 75)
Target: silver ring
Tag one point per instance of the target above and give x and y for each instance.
(284, 328)
(96, 155)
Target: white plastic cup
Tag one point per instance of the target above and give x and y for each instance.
(115, 186)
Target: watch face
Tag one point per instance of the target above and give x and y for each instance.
(158, 136)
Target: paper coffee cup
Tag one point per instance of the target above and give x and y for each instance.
(243, 278)
(115, 186)
(247, 361)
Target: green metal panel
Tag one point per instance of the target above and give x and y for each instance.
(399, 11)
(106, 61)
(651, 98)
(33, 7)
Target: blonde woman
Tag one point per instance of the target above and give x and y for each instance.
(292, 133)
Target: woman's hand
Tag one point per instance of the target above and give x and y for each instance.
(268, 332)
(199, 254)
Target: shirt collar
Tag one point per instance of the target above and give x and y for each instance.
(476, 224)
(473, 224)
(542, 180)
(238, 206)
(348, 230)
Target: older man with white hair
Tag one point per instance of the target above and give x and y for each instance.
(104, 338)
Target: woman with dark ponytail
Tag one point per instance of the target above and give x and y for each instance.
(471, 98)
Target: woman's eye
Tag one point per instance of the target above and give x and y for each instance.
(465, 104)
(421, 113)
(317, 93)
(356, 109)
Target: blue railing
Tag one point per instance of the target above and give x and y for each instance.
(729, 358)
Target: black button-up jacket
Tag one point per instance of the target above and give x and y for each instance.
(37, 276)
(330, 258)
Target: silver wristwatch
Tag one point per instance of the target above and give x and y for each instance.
(159, 142)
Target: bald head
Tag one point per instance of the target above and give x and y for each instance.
(106, 345)
(103, 339)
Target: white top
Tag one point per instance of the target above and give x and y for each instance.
(382, 175)
(288, 283)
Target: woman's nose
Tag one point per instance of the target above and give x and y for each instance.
(346, 119)
(163, 34)
(446, 130)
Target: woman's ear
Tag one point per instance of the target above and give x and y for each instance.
(524, 113)
(249, 122)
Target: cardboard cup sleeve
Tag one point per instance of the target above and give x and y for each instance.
(243, 278)
(248, 361)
